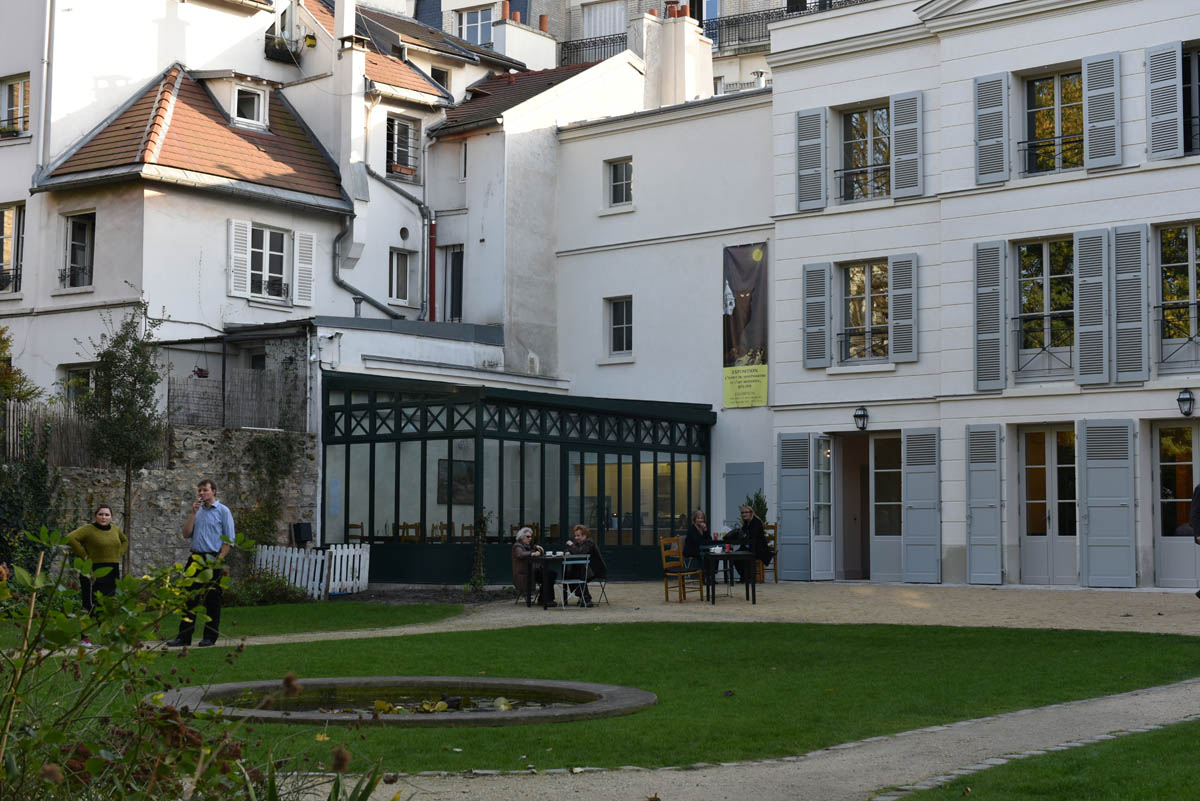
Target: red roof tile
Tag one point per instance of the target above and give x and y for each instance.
(491, 98)
(176, 123)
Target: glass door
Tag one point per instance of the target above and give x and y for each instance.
(886, 509)
(602, 494)
(1174, 550)
(1049, 545)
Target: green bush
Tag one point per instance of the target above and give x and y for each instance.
(263, 588)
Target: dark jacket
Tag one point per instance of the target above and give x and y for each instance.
(695, 540)
(751, 537)
(596, 566)
(520, 564)
(1194, 518)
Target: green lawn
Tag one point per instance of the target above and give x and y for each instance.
(726, 691)
(1154, 766)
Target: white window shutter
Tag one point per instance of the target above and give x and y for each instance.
(902, 307)
(908, 173)
(991, 128)
(239, 258)
(817, 305)
(810, 159)
(1131, 339)
(990, 366)
(302, 277)
(1102, 111)
(1093, 265)
(1164, 101)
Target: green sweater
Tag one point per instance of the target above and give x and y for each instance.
(90, 542)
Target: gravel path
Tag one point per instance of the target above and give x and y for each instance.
(854, 771)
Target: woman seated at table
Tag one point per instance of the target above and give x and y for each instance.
(750, 537)
(581, 542)
(523, 551)
(698, 536)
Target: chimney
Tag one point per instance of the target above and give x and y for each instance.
(511, 79)
(504, 9)
(760, 78)
(516, 17)
(654, 12)
(672, 9)
(544, 23)
(343, 20)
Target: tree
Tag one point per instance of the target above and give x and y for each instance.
(122, 403)
(14, 384)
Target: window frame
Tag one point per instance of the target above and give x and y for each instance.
(402, 163)
(875, 173)
(10, 268)
(1189, 78)
(612, 182)
(1180, 352)
(445, 72)
(869, 327)
(263, 101)
(622, 326)
(20, 122)
(70, 273)
(466, 26)
(1025, 152)
(1049, 360)
(77, 381)
(264, 275)
(395, 270)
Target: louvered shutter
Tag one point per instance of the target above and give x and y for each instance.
(990, 365)
(984, 565)
(817, 302)
(921, 526)
(795, 524)
(1131, 338)
(1102, 111)
(302, 277)
(1106, 503)
(1164, 101)
(239, 258)
(810, 159)
(902, 307)
(1093, 266)
(991, 128)
(908, 173)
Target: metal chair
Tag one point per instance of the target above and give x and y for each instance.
(772, 534)
(574, 576)
(673, 569)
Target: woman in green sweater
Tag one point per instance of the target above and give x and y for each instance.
(104, 544)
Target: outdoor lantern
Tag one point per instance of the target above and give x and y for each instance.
(860, 417)
(1187, 402)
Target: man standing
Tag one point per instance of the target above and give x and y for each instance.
(210, 528)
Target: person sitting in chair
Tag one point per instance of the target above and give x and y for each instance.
(750, 537)
(581, 542)
(522, 551)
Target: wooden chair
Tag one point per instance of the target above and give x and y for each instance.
(466, 534)
(440, 532)
(671, 549)
(515, 527)
(772, 533)
(351, 536)
(408, 532)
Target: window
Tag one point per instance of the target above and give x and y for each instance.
(476, 25)
(604, 19)
(620, 325)
(258, 361)
(15, 94)
(402, 148)
(1046, 306)
(865, 310)
(866, 153)
(268, 252)
(80, 251)
(1191, 102)
(462, 160)
(12, 243)
(620, 182)
(441, 77)
(1053, 123)
(454, 305)
(76, 382)
(1176, 246)
(398, 275)
(250, 105)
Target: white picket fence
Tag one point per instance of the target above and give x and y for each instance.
(339, 569)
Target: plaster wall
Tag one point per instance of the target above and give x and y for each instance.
(20, 54)
(797, 33)
(538, 51)
(375, 352)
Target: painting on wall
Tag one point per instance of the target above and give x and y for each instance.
(462, 481)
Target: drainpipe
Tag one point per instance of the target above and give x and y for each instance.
(426, 221)
(337, 274)
(432, 300)
(40, 145)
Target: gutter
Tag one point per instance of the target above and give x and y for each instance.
(337, 273)
(451, 128)
(427, 253)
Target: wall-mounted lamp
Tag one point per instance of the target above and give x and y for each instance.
(860, 418)
(1186, 401)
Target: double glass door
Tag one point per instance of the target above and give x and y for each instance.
(600, 495)
(1049, 544)
(1177, 563)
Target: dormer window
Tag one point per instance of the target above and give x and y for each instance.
(250, 106)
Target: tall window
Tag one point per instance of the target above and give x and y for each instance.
(1054, 123)
(603, 19)
(476, 25)
(80, 250)
(620, 182)
(1046, 296)
(398, 275)
(402, 148)
(865, 310)
(620, 318)
(1191, 102)
(14, 92)
(887, 517)
(268, 251)
(12, 242)
(866, 153)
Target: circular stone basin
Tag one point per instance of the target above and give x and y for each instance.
(324, 700)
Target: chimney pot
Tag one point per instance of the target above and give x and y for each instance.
(504, 6)
(544, 23)
(654, 12)
(516, 17)
(511, 79)
(684, 11)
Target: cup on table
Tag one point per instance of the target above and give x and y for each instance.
(728, 548)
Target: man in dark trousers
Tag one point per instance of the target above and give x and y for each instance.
(210, 528)
(1194, 520)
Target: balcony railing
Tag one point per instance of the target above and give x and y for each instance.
(1051, 154)
(404, 154)
(1178, 340)
(863, 183)
(585, 51)
(1044, 343)
(73, 276)
(281, 48)
(742, 32)
(858, 344)
(10, 279)
(273, 287)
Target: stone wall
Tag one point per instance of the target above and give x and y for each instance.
(162, 498)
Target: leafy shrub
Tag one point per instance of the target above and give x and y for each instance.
(263, 588)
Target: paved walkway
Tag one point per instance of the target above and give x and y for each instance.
(852, 771)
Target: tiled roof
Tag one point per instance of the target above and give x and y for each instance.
(413, 32)
(176, 123)
(491, 98)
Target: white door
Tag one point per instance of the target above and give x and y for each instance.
(1175, 554)
(822, 509)
(1049, 541)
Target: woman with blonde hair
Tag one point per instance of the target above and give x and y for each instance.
(581, 542)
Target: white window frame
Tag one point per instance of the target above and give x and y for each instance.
(1183, 352)
(869, 327)
(874, 173)
(621, 325)
(1046, 361)
(402, 158)
(15, 114)
(12, 247)
(1059, 148)
(253, 122)
(398, 266)
(445, 72)
(618, 188)
(70, 277)
(264, 274)
(471, 22)
(1190, 78)
(603, 18)
(76, 381)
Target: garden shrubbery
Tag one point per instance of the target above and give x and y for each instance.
(262, 588)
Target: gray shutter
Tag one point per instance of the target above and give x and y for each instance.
(991, 128)
(1164, 101)
(902, 307)
(984, 530)
(810, 159)
(921, 526)
(305, 245)
(908, 173)
(1131, 338)
(794, 508)
(239, 258)
(1106, 503)
(817, 304)
(1102, 111)
(991, 367)
(1093, 265)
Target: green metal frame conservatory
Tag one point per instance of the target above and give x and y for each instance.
(417, 468)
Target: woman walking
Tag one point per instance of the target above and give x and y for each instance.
(103, 544)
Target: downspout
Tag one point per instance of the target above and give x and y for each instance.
(337, 273)
(43, 90)
(427, 222)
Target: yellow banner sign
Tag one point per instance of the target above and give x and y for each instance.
(745, 386)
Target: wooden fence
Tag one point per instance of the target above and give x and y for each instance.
(244, 399)
(320, 573)
(63, 431)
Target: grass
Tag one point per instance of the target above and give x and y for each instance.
(726, 691)
(1149, 766)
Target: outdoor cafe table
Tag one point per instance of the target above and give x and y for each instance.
(711, 560)
(542, 560)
